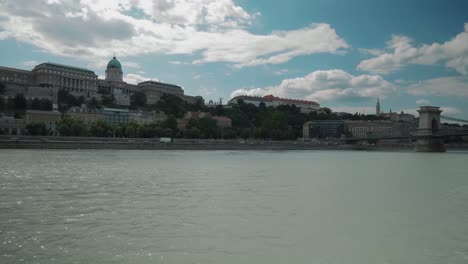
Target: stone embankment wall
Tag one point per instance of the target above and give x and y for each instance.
(29, 142)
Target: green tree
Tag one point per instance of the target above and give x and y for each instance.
(20, 102)
(218, 110)
(172, 105)
(93, 103)
(100, 129)
(208, 127)
(138, 99)
(35, 104)
(2, 88)
(71, 127)
(171, 123)
(46, 104)
(36, 129)
(108, 100)
(193, 133)
(67, 100)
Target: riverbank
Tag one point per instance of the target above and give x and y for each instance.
(29, 142)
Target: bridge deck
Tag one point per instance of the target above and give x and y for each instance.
(414, 136)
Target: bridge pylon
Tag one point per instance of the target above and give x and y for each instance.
(429, 125)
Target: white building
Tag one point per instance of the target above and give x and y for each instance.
(273, 101)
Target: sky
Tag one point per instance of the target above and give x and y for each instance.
(341, 53)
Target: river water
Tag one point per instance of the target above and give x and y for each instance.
(102, 206)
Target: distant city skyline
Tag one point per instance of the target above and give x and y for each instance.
(342, 54)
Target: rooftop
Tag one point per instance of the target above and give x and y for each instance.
(115, 110)
(14, 69)
(271, 98)
(145, 83)
(63, 66)
(114, 64)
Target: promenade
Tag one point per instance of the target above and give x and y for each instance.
(43, 142)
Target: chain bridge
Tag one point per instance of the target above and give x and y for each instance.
(429, 136)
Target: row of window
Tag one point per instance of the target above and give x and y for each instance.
(67, 74)
(13, 79)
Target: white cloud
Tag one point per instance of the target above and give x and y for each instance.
(178, 62)
(31, 63)
(373, 52)
(281, 72)
(135, 78)
(444, 86)
(326, 86)
(449, 110)
(207, 91)
(209, 30)
(131, 64)
(401, 52)
(423, 102)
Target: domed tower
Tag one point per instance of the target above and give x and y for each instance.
(114, 71)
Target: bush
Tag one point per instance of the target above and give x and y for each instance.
(36, 129)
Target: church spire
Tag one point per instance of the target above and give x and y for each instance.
(377, 107)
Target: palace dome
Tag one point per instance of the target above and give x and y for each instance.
(114, 64)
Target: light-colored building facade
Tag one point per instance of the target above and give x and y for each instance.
(145, 117)
(85, 114)
(371, 128)
(78, 81)
(49, 118)
(270, 100)
(11, 126)
(399, 117)
(115, 116)
(23, 82)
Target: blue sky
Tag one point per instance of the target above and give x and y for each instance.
(340, 53)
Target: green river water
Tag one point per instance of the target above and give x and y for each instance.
(337, 207)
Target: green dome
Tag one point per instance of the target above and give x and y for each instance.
(114, 64)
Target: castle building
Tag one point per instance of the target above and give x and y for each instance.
(46, 79)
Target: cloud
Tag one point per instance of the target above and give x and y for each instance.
(244, 49)
(373, 52)
(31, 63)
(326, 86)
(281, 72)
(456, 86)
(207, 91)
(179, 62)
(402, 52)
(449, 110)
(135, 78)
(423, 102)
(208, 30)
(131, 64)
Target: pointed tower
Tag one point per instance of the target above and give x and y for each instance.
(377, 107)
